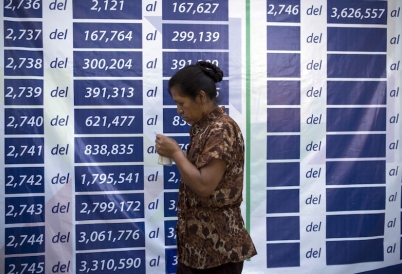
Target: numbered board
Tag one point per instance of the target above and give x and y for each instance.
(315, 88)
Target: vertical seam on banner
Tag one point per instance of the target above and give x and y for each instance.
(248, 133)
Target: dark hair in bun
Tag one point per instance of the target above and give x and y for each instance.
(193, 78)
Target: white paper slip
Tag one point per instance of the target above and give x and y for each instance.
(162, 160)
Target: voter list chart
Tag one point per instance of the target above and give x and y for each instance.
(333, 131)
(84, 95)
(83, 92)
(23, 202)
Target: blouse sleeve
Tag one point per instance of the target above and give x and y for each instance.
(222, 142)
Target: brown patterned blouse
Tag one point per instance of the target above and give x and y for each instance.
(211, 230)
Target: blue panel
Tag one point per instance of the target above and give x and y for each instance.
(363, 119)
(350, 65)
(119, 235)
(23, 63)
(283, 228)
(171, 178)
(107, 9)
(283, 174)
(112, 35)
(24, 180)
(283, 120)
(108, 149)
(283, 92)
(173, 61)
(393, 269)
(23, 92)
(354, 251)
(282, 201)
(364, 39)
(108, 121)
(35, 264)
(108, 63)
(23, 121)
(23, 9)
(357, 12)
(283, 38)
(24, 150)
(195, 36)
(15, 240)
(26, 34)
(356, 146)
(109, 178)
(173, 122)
(355, 198)
(109, 92)
(283, 65)
(170, 232)
(110, 262)
(171, 260)
(356, 92)
(283, 255)
(283, 147)
(170, 203)
(107, 207)
(356, 225)
(29, 209)
(199, 10)
(355, 172)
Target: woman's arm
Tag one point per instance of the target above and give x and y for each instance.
(204, 180)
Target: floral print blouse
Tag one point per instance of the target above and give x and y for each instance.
(211, 230)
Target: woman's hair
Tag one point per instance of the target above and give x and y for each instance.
(193, 78)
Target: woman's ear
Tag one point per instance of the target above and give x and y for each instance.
(201, 97)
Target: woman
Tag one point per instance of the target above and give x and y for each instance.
(211, 237)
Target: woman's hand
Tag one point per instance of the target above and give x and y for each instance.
(166, 146)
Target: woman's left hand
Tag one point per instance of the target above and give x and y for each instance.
(166, 146)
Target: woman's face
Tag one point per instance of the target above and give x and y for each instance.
(190, 110)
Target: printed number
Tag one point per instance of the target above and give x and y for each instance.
(24, 63)
(172, 178)
(174, 260)
(357, 13)
(102, 92)
(173, 205)
(29, 239)
(32, 150)
(103, 64)
(33, 268)
(29, 34)
(25, 120)
(200, 8)
(110, 207)
(179, 64)
(190, 36)
(121, 149)
(99, 35)
(109, 178)
(34, 209)
(178, 121)
(33, 180)
(107, 5)
(23, 4)
(26, 92)
(118, 121)
(110, 265)
(294, 10)
(102, 236)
